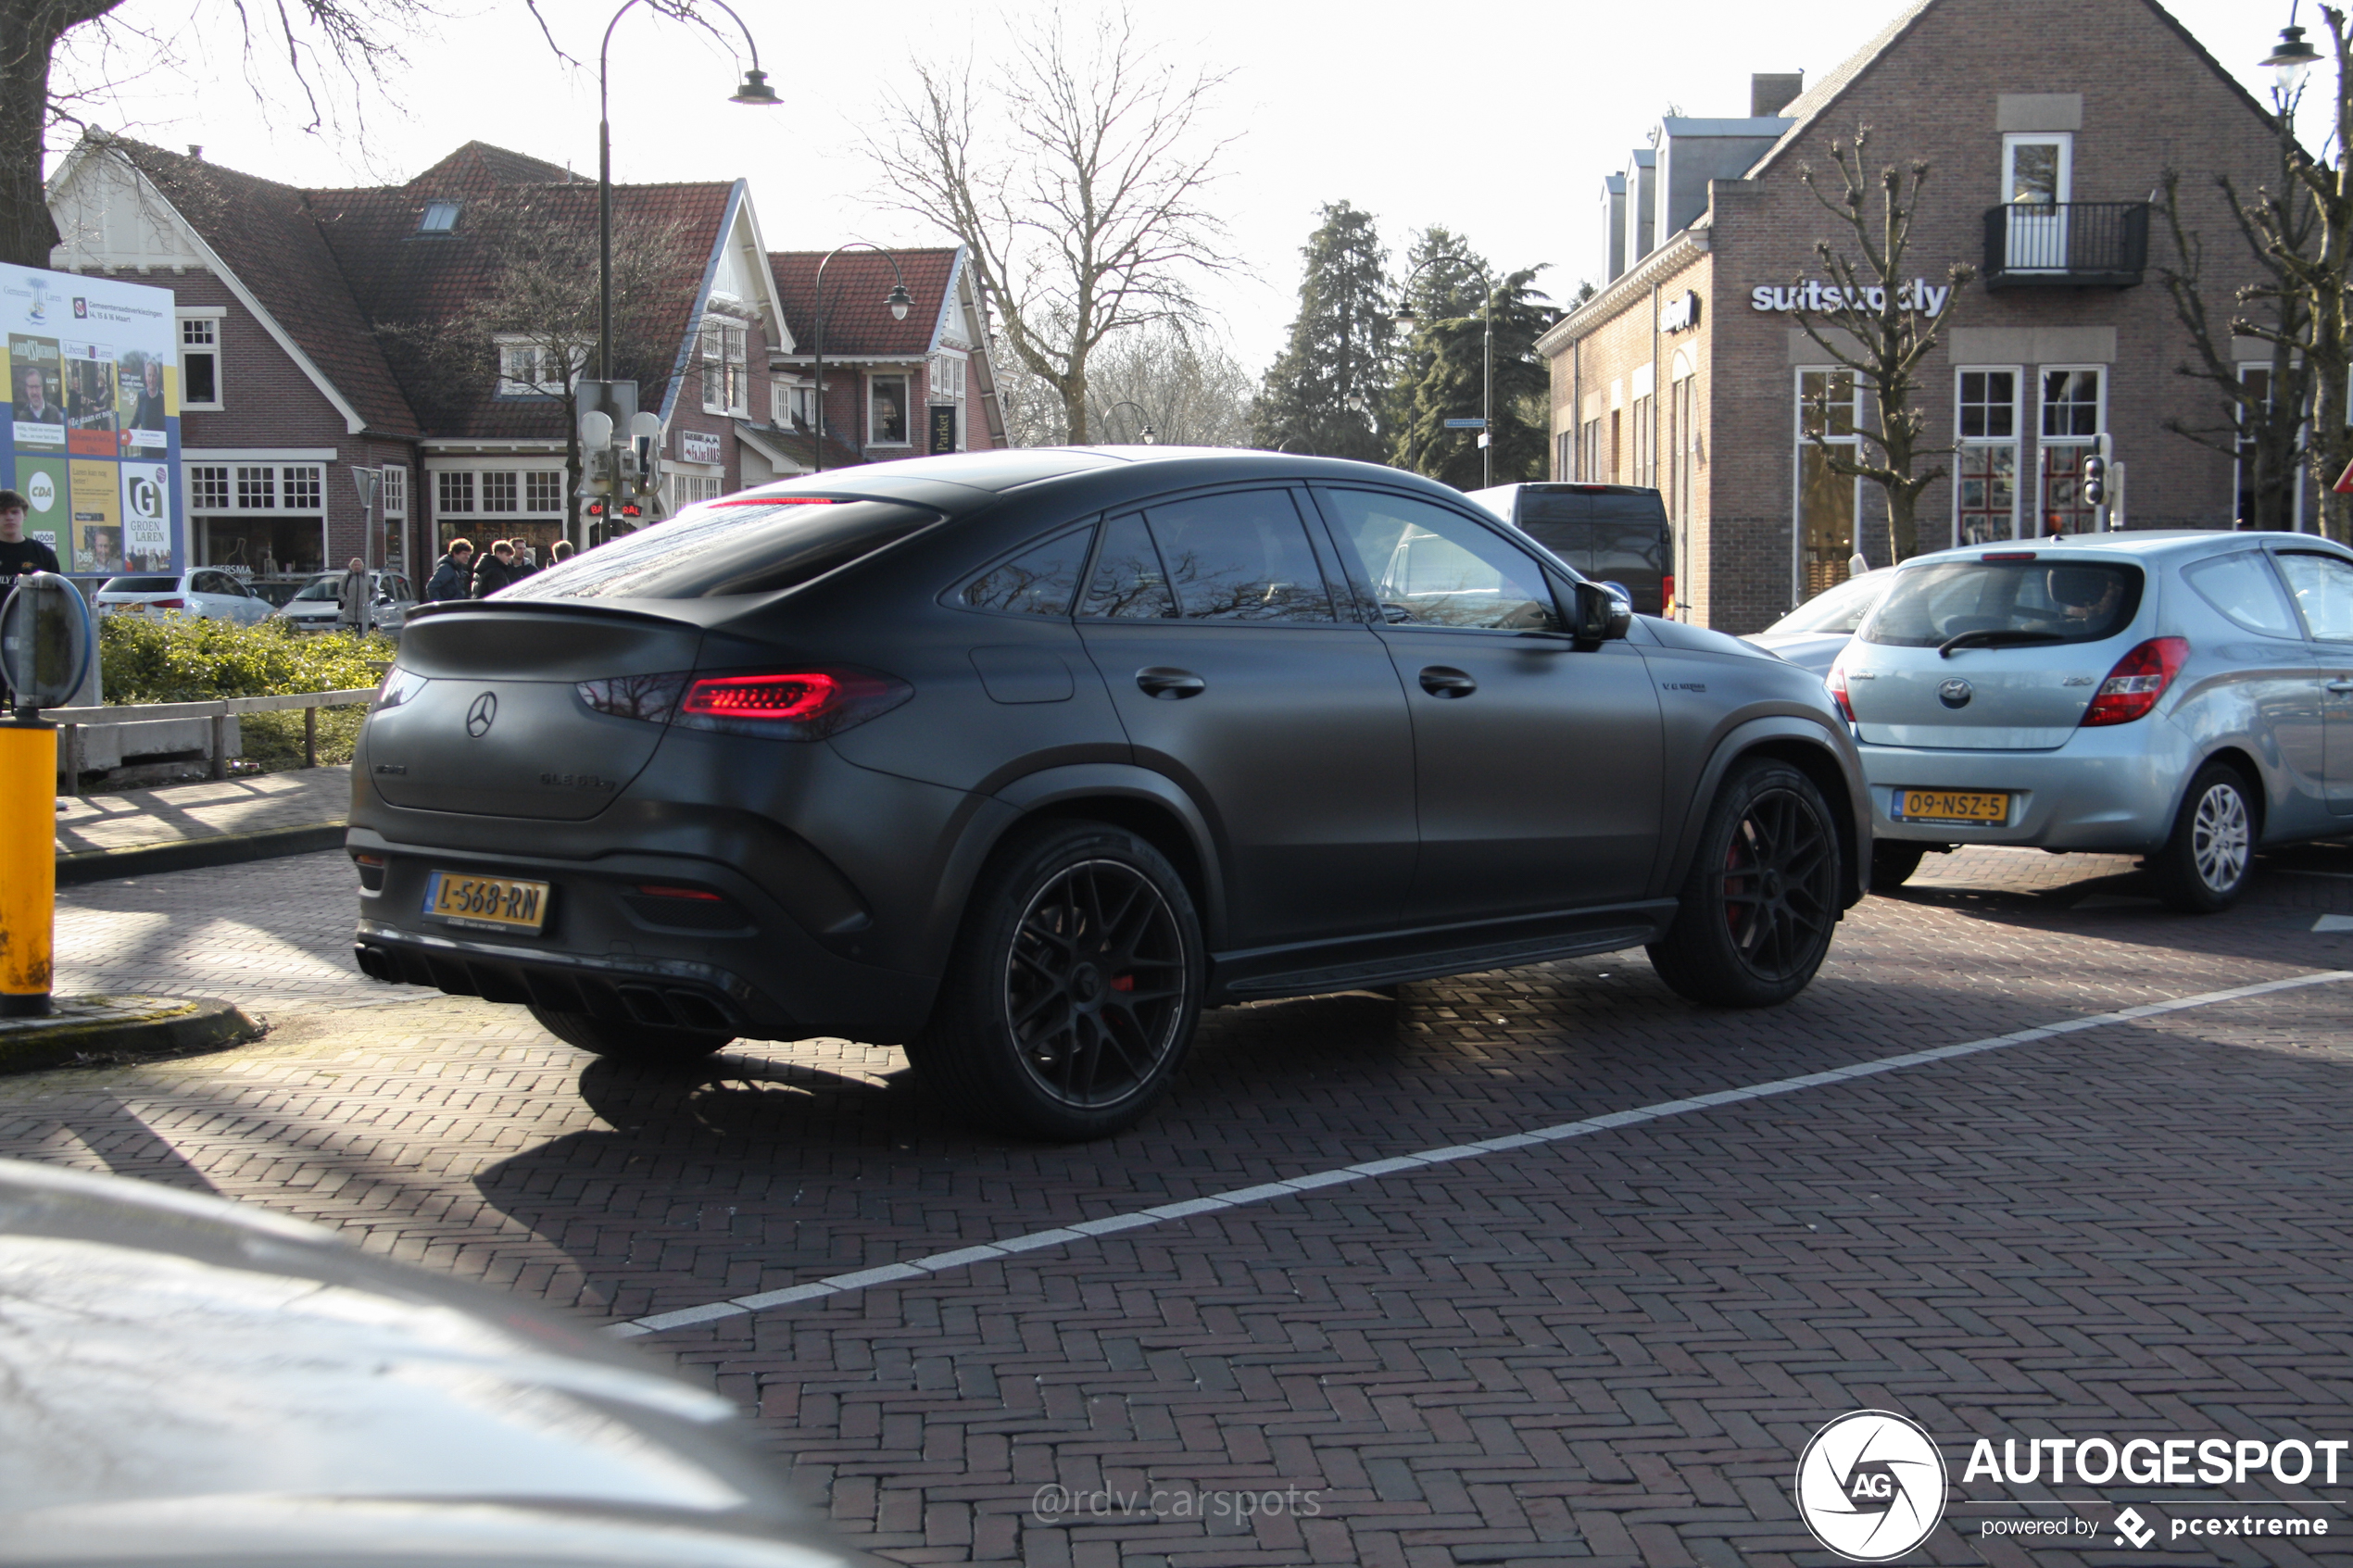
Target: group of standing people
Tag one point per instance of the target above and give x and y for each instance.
(458, 575)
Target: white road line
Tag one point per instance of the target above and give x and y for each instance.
(940, 1262)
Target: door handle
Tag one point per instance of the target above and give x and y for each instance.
(1169, 684)
(1440, 680)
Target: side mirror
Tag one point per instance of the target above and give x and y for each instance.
(1600, 615)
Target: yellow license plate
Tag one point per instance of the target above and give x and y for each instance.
(1952, 806)
(488, 903)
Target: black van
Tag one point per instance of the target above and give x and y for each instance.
(1610, 533)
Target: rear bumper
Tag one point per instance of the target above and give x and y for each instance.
(2115, 789)
(608, 951)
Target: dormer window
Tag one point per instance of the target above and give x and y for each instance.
(441, 217)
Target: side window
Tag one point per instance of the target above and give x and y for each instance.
(2323, 590)
(1432, 567)
(1040, 580)
(1241, 556)
(2242, 588)
(1128, 583)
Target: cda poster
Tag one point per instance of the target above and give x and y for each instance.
(91, 371)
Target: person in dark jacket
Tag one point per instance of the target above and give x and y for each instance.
(496, 570)
(453, 575)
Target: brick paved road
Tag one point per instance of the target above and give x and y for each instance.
(1608, 1349)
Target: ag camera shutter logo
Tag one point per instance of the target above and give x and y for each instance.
(1870, 1486)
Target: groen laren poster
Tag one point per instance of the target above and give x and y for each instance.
(92, 418)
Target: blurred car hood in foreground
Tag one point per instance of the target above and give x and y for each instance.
(184, 1380)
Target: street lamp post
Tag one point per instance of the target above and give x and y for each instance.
(897, 300)
(1405, 321)
(754, 91)
(2291, 62)
(1145, 435)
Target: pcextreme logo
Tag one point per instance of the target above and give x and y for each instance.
(1870, 1486)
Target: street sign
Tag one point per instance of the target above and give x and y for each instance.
(2343, 485)
(1465, 424)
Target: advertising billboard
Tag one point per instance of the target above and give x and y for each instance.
(92, 381)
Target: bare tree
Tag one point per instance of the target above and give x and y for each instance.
(1880, 324)
(535, 327)
(2262, 424)
(1075, 175)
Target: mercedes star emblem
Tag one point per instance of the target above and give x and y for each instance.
(485, 709)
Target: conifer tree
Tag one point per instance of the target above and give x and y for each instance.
(1326, 393)
(1441, 373)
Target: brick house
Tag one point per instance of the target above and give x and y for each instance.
(2046, 128)
(893, 388)
(294, 370)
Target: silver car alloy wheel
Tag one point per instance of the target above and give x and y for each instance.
(2218, 837)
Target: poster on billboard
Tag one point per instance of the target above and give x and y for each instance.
(92, 420)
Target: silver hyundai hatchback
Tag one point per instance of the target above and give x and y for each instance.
(2185, 696)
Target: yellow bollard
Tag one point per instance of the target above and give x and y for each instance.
(28, 864)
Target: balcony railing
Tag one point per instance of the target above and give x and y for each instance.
(2066, 244)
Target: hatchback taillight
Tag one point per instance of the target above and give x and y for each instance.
(1836, 682)
(1667, 595)
(794, 704)
(2138, 680)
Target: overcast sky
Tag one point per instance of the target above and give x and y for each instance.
(1497, 120)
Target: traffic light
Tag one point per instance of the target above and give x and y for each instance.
(2096, 480)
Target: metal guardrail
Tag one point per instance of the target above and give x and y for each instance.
(72, 722)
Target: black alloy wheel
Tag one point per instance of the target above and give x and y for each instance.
(1762, 897)
(1075, 990)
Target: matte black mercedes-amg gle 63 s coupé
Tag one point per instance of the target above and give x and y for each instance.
(1021, 758)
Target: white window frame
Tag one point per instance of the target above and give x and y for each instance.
(2019, 376)
(725, 345)
(2079, 444)
(543, 483)
(947, 378)
(543, 366)
(906, 404)
(1798, 443)
(2013, 140)
(215, 317)
(394, 497)
(2031, 237)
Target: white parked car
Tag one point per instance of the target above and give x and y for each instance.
(1815, 632)
(318, 607)
(205, 593)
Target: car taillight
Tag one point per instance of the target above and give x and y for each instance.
(1836, 682)
(2138, 680)
(166, 604)
(1667, 595)
(795, 705)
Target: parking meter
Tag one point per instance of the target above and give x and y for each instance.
(45, 645)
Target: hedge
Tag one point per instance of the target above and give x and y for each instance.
(182, 659)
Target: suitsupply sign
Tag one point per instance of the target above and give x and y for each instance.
(93, 387)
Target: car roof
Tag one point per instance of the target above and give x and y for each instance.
(2155, 541)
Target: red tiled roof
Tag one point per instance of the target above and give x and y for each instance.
(334, 265)
(857, 321)
(263, 232)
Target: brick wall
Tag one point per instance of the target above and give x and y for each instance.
(2149, 102)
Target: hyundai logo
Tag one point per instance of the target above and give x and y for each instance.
(485, 709)
(1952, 694)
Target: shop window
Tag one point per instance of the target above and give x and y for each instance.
(454, 492)
(257, 489)
(303, 486)
(207, 489)
(887, 410)
(1986, 483)
(2072, 417)
(199, 362)
(544, 490)
(1826, 407)
(501, 492)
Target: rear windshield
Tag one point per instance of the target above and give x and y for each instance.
(1837, 609)
(140, 585)
(727, 547)
(2014, 602)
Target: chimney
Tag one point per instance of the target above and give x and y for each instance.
(195, 150)
(1771, 91)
